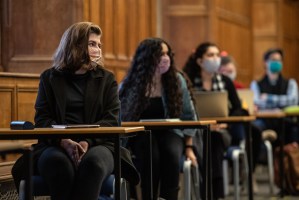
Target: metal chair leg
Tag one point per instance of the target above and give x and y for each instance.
(270, 165)
(187, 179)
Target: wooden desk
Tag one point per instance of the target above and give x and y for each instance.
(170, 124)
(202, 124)
(46, 133)
(246, 120)
(270, 114)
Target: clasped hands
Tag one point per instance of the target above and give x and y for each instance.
(75, 150)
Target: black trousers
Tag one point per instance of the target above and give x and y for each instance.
(167, 151)
(217, 151)
(66, 182)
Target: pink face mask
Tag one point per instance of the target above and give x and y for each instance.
(164, 64)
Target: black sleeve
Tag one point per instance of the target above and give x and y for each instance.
(236, 107)
(44, 116)
(44, 112)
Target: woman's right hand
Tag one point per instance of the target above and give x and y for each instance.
(218, 127)
(73, 149)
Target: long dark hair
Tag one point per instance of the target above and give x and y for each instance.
(72, 52)
(135, 89)
(191, 67)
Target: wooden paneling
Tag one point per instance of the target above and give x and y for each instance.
(234, 35)
(7, 106)
(236, 40)
(290, 38)
(31, 31)
(265, 18)
(178, 18)
(26, 96)
(17, 93)
(1, 20)
(184, 42)
(124, 23)
(265, 32)
(235, 7)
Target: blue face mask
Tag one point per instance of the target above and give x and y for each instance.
(274, 66)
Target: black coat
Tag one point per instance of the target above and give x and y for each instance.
(101, 106)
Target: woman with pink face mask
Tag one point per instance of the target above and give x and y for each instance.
(153, 89)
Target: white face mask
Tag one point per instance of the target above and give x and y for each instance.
(94, 48)
(164, 64)
(211, 66)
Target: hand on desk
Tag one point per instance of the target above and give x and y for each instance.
(218, 127)
(75, 150)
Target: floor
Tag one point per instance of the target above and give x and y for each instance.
(263, 188)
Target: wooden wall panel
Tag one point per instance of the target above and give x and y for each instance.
(290, 38)
(184, 42)
(124, 23)
(235, 7)
(2, 22)
(234, 35)
(17, 93)
(265, 18)
(265, 32)
(187, 2)
(7, 108)
(236, 40)
(31, 31)
(26, 97)
(178, 18)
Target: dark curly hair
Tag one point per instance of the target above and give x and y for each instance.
(191, 68)
(136, 87)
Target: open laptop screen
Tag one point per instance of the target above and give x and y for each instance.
(211, 103)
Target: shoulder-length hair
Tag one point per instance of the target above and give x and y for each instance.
(137, 85)
(191, 66)
(72, 52)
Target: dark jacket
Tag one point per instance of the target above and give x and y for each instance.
(101, 106)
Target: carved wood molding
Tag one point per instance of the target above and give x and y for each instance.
(233, 17)
(187, 10)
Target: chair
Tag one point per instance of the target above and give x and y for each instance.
(191, 181)
(270, 164)
(234, 153)
(40, 188)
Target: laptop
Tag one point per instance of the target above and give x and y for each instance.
(247, 99)
(211, 103)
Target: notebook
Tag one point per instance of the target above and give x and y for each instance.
(211, 104)
(62, 126)
(246, 97)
